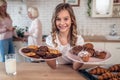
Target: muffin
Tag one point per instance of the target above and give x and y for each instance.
(88, 45)
(43, 48)
(47, 53)
(41, 53)
(84, 56)
(76, 49)
(91, 51)
(100, 54)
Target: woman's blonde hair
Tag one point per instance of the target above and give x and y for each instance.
(2, 2)
(3, 14)
(73, 28)
(34, 11)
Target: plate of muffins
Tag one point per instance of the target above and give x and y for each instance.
(88, 54)
(39, 52)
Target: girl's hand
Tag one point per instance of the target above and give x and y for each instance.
(77, 65)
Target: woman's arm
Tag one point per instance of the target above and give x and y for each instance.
(4, 29)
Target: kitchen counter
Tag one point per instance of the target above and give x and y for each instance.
(98, 39)
(41, 71)
(86, 38)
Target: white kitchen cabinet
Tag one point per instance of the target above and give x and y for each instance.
(116, 10)
(98, 9)
(18, 45)
(114, 49)
(102, 8)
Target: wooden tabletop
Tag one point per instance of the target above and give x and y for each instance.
(41, 71)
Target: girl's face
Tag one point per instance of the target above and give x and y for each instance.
(63, 21)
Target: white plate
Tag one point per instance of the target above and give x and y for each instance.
(92, 60)
(23, 54)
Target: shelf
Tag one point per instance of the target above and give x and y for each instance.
(116, 3)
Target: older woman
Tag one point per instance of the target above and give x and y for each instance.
(35, 30)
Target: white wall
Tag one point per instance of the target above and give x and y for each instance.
(85, 23)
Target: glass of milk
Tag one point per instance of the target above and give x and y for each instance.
(10, 64)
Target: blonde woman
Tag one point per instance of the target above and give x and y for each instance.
(6, 32)
(64, 34)
(35, 30)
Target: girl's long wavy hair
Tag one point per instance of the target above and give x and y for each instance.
(73, 28)
(3, 14)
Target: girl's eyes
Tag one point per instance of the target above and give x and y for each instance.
(58, 19)
(65, 19)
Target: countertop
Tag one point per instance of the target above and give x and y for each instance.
(98, 39)
(89, 39)
(41, 71)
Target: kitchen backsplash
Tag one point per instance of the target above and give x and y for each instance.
(86, 24)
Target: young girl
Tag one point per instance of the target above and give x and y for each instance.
(64, 34)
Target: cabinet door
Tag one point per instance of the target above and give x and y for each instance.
(114, 49)
(17, 46)
(102, 8)
(116, 9)
(98, 45)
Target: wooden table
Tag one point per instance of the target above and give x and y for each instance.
(41, 71)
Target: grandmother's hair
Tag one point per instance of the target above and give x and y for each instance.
(34, 11)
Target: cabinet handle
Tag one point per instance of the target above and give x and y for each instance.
(118, 48)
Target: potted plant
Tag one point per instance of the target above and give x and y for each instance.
(20, 31)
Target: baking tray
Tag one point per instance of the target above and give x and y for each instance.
(87, 75)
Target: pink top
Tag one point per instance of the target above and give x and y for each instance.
(6, 22)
